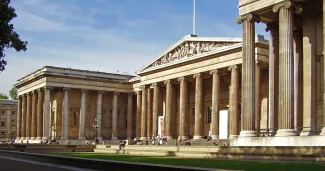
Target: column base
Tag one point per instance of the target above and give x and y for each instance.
(38, 138)
(308, 132)
(323, 132)
(18, 138)
(286, 132)
(184, 138)
(27, 138)
(22, 138)
(198, 137)
(82, 138)
(64, 138)
(233, 136)
(114, 138)
(247, 134)
(45, 138)
(33, 138)
(215, 137)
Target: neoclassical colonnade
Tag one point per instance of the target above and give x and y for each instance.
(34, 120)
(151, 95)
(285, 74)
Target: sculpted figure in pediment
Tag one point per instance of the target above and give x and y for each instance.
(186, 49)
(175, 55)
(164, 59)
(192, 49)
(198, 48)
(170, 57)
(207, 47)
(212, 46)
(181, 52)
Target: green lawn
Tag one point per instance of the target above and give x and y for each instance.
(206, 163)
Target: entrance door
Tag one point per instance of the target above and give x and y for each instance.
(223, 124)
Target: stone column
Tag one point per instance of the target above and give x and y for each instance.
(144, 113)
(258, 97)
(23, 117)
(129, 116)
(8, 125)
(183, 108)
(273, 77)
(215, 104)
(168, 116)
(65, 114)
(234, 102)
(114, 117)
(286, 96)
(19, 119)
(47, 113)
(34, 116)
(149, 113)
(40, 102)
(155, 108)
(323, 130)
(138, 119)
(82, 123)
(198, 125)
(29, 115)
(248, 75)
(99, 114)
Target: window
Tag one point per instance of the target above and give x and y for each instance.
(13, 113)
(75, 118)
(209, 113)
(3, 113)
(2, 134)
(13, 123)
(3, 124)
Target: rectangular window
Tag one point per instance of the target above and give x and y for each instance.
(13, 113)
(3, 124)
(209, 114)
(2, 134)
(13, 123)
(75, 118)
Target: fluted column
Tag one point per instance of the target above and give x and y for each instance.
(34, 116)
(40, 101)
(82, 124)
(273, 77)
(149, 113)
(323, 130)
(183, 108)
(23, 117)
(29, 116)
(99, 114)
(139, 112)
(168, 116)
(114, 117)
(47, 113)
(215, 104)
(129, 116)
(19, 119)
(198, 125)
(155, 108)
(234, 102)
(144, 113)
(248, 75)
(286, 95)
(258, 97)
(65, 114)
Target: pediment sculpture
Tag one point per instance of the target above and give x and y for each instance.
(190, 49)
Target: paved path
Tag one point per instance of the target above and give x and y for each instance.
(14, 164)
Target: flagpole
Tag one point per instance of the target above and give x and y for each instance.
(194, 18)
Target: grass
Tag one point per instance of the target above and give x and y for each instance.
(204, 163)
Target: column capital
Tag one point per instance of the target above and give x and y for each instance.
(138, 92)
(215, 71)
(167, 82)
(39, 90)
(286, 5)
(142, 86)
(233, 67)
(83, 90)
(116, 93)
(248, 17)
(181, 79)
(66, 88)
(47, 88)
(100, 92)
(154, 85)
(258, 63)
(199, 75)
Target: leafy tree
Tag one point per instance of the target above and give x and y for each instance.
(13, 93)
(3, 96)
(8, 37)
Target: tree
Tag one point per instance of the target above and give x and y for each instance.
(3, 96)
(13, 93)
(8, 37)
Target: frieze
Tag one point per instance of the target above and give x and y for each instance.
(190, 49)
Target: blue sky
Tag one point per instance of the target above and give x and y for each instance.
(110, 35)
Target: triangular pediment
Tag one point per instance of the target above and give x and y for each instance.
(190, 47)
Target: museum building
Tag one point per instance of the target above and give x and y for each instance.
(226, 88)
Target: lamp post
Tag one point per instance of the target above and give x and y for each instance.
(54, 131)
(96, 126)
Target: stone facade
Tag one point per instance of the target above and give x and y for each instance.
(8, 119)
